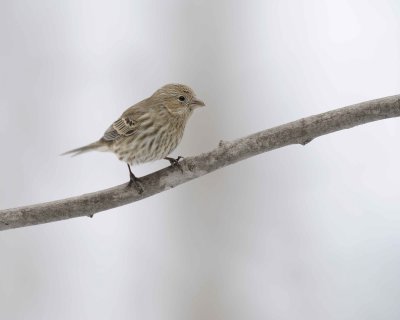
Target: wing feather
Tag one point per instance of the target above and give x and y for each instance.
(128, 123)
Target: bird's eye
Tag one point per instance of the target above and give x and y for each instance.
(181, 98)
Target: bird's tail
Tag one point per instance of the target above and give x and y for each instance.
(98, 145)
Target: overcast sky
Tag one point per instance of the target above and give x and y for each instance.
(298, 233)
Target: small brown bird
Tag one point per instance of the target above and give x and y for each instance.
(149, 130)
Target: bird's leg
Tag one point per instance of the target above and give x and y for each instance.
(134, 180)
(175, 162)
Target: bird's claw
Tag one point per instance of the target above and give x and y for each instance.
(175, 162)
(136, 183)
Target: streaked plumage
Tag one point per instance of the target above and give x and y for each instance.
(151, 129)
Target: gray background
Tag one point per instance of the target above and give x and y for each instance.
(298, 233)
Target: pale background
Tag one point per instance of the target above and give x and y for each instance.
(298, 233)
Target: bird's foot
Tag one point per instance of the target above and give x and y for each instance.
(134, 181)
(175, 162)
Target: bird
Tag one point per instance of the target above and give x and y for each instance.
(150, 129)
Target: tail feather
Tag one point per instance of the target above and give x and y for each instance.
(90, 147)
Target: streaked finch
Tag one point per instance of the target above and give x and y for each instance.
(149, 130)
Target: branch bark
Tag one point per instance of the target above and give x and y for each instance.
(301, 131)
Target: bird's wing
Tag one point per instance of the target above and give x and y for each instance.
(127, 124)
(124, 126)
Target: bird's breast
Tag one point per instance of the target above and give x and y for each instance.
(152, 142)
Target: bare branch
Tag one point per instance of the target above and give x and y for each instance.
(228, 152)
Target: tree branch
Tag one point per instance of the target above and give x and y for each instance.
(228, 152)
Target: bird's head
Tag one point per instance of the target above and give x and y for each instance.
(178, 98)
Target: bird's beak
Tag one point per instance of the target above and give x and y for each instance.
(197, 103)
